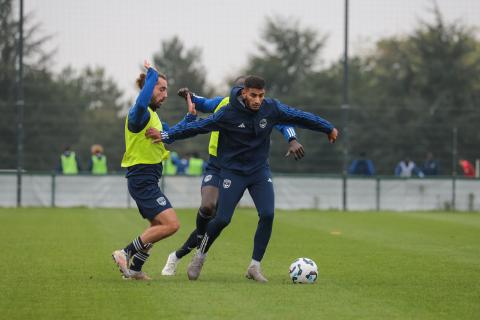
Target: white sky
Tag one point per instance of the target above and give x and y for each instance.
(119, 34)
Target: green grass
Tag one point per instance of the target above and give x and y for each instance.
(56, 264)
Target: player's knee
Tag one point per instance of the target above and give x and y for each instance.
(222, 222)
(173, 227)
(208, 209)
(267, 217)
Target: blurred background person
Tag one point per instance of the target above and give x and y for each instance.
(196, 165)
(182, 166)
(406, 168)
(430, 166)
(170, 164)
(98, 161)
(362, 166)
(69, 162)
(467, 168)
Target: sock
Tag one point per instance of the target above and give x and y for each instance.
(214, 228)
(202, 222)
(135, 246)
(188, 246)
(138, 260)
(255, 263)
(201, 254)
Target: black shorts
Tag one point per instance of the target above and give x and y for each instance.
(150, 199)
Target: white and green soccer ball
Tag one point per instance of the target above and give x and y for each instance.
(303, 270)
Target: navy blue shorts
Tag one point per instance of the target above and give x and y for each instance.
(150, 199)
(211, 176)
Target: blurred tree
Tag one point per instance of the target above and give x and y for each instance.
(100, 122)
(413, 90)
(74, 109)
(287, 55)
(36, 75)
(289, 58)
(407, 93)
(60, 110)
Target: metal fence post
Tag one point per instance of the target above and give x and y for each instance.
(53, 188)
(454, 166)
(377, 194)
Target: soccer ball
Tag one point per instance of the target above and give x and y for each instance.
(303, 270)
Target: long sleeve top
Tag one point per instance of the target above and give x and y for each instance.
(244, 141)
(206, 105)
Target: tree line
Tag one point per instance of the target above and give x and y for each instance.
(407, 94)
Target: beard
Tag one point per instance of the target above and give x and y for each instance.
(154, 105)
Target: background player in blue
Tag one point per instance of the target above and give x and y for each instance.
(211, 178)
(244, 144)
(143, 161)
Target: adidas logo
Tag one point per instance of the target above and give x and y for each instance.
(269, 180)
(241, 125)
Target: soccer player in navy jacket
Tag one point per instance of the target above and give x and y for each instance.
(243, 150)
(211, 181)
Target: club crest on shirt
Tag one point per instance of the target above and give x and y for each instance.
(207, 178)
(162, 201)
(227, 183)
(263, 123)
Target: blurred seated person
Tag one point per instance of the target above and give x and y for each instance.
(170, 165)
(69, 163)
(406, 168)
(467, 168)
(362, 166)
(196, 165)
(98, 162)
(182, 166)
(430, 166)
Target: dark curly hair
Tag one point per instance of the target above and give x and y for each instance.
(141, 79)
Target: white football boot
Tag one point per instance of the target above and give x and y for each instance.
(195, 267)
(121, 259)
(170, 267)
(254, 273)
(137, 275)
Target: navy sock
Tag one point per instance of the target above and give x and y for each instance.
(262, 236)
(188, 246)
(138, 260)
(135, 246)
(214, 229)
(202, 222)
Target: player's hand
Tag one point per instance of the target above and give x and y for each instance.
(183, 92)
(191, 105)
(296, 149)
(332, 136)
(153, 134)
(147, 64)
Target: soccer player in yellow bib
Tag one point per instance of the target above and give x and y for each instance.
(143, 161)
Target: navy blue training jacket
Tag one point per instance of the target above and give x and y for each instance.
(244, 142)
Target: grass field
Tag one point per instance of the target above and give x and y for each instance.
(56, 264)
